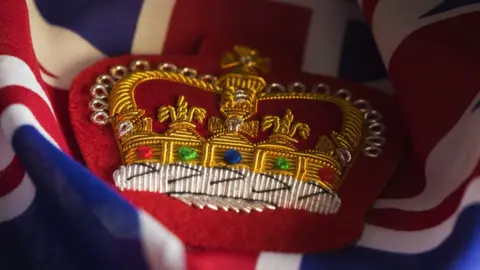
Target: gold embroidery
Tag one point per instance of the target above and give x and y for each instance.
(240, 90)
(182, 115)
(245, 60)
(284, 129)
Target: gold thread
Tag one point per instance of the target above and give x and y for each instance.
(240, 91)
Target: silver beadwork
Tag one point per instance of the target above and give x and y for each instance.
(239, 96)
(119, 72)
(321, 88)
(375, 140)
(234, 124)
(275, 86)
(189, 72)
(98, 105)
(98, 91)
(167, 67)
(106, 80)
(377, 128)
(297, 87)
(372, 151)
(363, 105)
(139, 65)
(373, 117)
(344, 155)
(100, 118)
(208, 78)
(124, 127)
(344, 93)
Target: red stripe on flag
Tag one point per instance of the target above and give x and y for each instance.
(413, 221)
(235, 19)
(15, 39)
(38, 107)
(60, 103)
(368, 7)
(201, 260)
(11, 177)
(435, 73)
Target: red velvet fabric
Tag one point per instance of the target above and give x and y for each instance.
(278, 230)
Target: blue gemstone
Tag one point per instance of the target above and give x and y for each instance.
(232, 156)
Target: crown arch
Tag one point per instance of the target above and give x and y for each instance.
(122, 96)
(353, 119)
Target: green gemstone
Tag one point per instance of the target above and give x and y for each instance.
(186, 153)
(282, 164)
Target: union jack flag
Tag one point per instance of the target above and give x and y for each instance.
(54, 214)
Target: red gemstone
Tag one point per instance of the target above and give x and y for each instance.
(144, 152)
(326, 174)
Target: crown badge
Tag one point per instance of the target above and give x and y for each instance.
(229, 168)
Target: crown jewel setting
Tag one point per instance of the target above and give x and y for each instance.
(226, 169)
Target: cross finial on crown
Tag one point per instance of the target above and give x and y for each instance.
(245, 61)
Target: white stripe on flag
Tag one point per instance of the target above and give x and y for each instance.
(14, 71)
(61, 51)
(328, 22)
(278, 261)
(394, 20)
(164, 251)
(18, 200)
(6, 152)
(383, 85)
(412, 242)
(155, 14)
(448, 165)
(17, 115)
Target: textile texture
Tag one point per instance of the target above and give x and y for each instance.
(418, 60)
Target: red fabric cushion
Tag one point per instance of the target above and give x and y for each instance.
(281, 229)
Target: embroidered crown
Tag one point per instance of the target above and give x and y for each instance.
(229, 167)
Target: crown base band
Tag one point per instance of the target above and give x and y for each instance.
(224, 203)
(226, 188)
